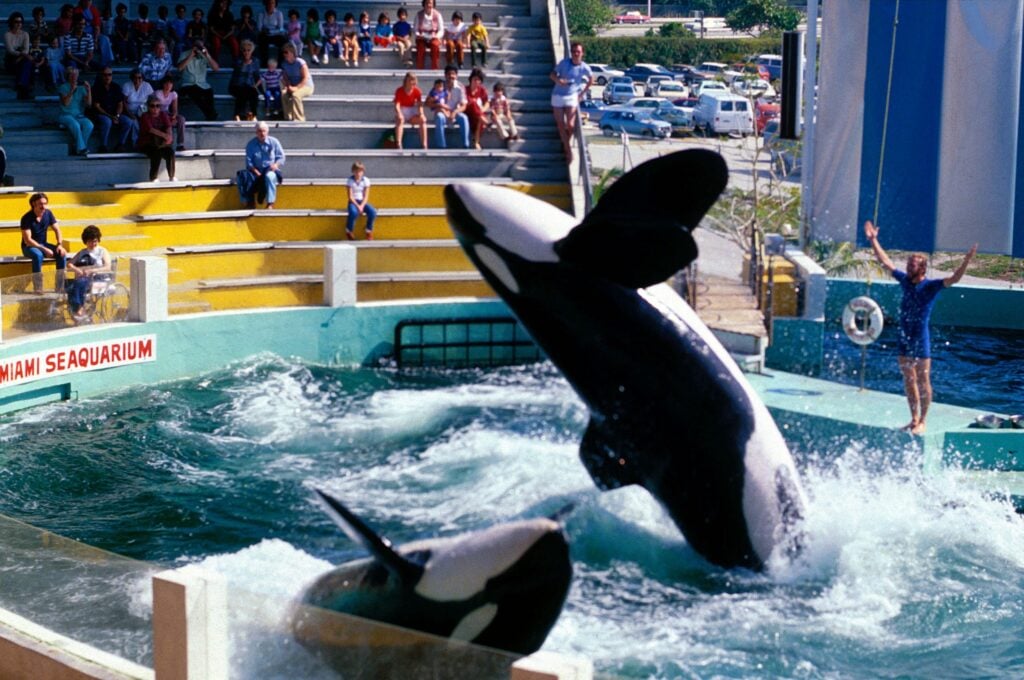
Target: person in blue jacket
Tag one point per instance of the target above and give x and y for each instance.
(914, 343)
(264, 157)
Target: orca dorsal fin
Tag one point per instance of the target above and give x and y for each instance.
(639, 232)
(406, 571)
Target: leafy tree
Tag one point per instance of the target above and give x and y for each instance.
(758, 15)
(586, 16)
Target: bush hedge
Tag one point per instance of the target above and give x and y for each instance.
(624, 52)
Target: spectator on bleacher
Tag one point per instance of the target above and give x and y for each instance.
(272, 28)
(455, 40)
(450, 111)
(196, 31)
(312, 35)
(39, 27)
(89, 264)
(155, 139)
(402, 33)
(294, 28)
(75, 98)
(136, 93)
(162, 27)
(478, 40)
(194, 84)
(16, 58)
(296, 84)
(54, 71)
(221, 24)
(478, 107)
(359, 202)
(332, 36)
(245, 27)
(108, 112)
(176, 31)
(350, 41)
(94, 27)
(383, 35)
(501, 114)
(65, 19)
(365, 36)
(409, 109)
(245, 81)
(144, 31)
(155, 65)
(37, 55)
(123, 39)
(168, 99)
(34, 245)
(429, 32)
(271, 78)
(264, 157)
(79, 47)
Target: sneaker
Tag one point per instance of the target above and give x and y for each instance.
(316, 59)
(349, 236)
(173, 179)
(326, 60)
(369, 236)
(155, 180)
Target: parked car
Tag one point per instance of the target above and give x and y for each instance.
(784, 153)
(772, 62)
(618, 93)
(633, 122)
(686, 74)
(653, 82)
(686, 104)
(706, 86)
(592, 110)
(680, 119)
(723, 112)
(603, 72)
(753, 87)
(641, 72)
(620, 79)
(765, 111)
(632, 17)
(713, 69)
(670, 89)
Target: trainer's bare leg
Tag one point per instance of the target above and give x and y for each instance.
(561, 121)
(924, 393)
(908, 367)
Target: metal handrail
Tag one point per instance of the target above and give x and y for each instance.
(581, 143)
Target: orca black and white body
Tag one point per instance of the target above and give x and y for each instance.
(502, 587)
(670, 410)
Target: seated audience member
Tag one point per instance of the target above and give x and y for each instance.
(429, 26)
(157, 64)
(75, 99)
(34, 245)
(478, 40)
(294, 30)
(245, 81)
(312, 34)
(264, 157)
(155, 139)
(409, 109)
(332, 36)
(196, 30)
(194, 84)
(402, 34)
(123, 39)
(501, 115)
(108, 113)
(177, 29)
(350, 41)
(169, 104)
(62, 25)
(455, 40)
(478, 107)
(359, 202)
(296, 84)
(89, 264)
(245, 27)
(38, 27)
(143, 31)
(221, 25)
(383, 34)
(54, 71)
(16, 56)
(365, 36)
(452, 111)
(271, 78)
(272, 29)
(79, 47)
(136, 93)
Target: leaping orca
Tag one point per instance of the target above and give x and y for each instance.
(502, 587)
(670, 410)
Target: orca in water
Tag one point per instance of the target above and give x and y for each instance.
(669, 408)
(502, 587)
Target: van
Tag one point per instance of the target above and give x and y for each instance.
(718, 113)
(772, 62)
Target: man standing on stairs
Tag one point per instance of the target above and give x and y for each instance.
(572, 79)
(264, 157)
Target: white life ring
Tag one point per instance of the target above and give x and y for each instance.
(862, 320)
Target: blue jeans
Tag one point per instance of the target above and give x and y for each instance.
(266, 182)
(441, 121)
(353, 214)
(79, 127)
(37, 256)
(124, 130)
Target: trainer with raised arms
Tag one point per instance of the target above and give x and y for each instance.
(914, 344)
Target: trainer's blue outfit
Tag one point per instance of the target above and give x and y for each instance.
(915, 311)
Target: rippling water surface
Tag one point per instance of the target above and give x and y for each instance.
(904, 575)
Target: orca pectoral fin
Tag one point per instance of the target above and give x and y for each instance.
(607, 469)
(406, 571)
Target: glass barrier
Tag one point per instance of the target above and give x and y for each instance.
(78, 591)
(37, 303)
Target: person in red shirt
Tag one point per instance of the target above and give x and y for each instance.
(155, 138)
(409, 109)
(477, 106)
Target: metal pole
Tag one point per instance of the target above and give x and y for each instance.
(863, 365)
(810, 101)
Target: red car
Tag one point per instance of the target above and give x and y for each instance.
(632, 18)
(765, 111)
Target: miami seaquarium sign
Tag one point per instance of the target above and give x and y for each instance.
(76, 359)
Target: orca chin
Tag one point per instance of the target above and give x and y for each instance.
(670, 410)
(503, 587)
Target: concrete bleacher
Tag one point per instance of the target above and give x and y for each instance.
(414, 254)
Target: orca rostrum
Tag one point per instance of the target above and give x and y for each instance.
(502, 587)
(669, 408)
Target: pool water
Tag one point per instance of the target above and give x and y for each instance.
(903, 574)
(978, 368)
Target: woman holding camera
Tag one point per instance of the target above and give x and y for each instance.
(193, 68)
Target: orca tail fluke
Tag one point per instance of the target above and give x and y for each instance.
(378, 546)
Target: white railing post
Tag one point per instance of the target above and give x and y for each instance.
(551, 666)
(339, 275)
(190, 615)
(148, 301)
